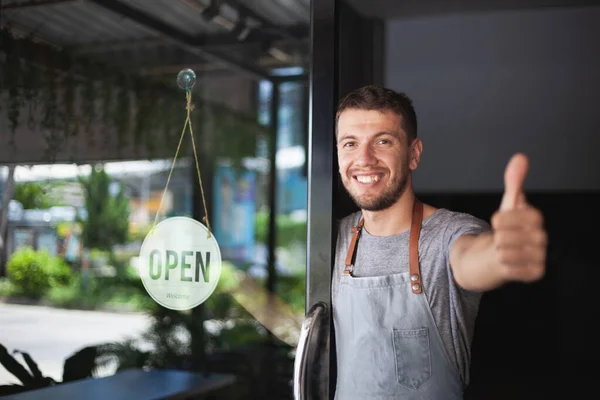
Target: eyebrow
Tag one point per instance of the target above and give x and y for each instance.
(378, 134)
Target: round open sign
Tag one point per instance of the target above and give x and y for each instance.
(180, 263)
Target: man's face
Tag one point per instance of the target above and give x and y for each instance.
(374, 157)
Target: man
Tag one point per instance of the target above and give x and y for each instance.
(408, 277)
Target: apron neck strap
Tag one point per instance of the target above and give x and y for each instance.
(415, 231)
(352, 249)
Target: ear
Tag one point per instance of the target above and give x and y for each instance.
(416, 149)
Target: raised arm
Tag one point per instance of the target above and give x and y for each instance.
(515, 248)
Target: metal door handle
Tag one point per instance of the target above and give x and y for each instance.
(305, 352)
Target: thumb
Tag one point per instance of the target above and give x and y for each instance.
(514, 176)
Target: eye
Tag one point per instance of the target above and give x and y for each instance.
(348, 144)
(384, 141)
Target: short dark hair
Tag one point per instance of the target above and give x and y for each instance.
(378, 98)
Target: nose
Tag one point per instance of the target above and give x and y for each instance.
(365, 156)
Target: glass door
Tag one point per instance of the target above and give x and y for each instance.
(97, 152)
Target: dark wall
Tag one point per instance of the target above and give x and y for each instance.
(539, 338)
(487, 85)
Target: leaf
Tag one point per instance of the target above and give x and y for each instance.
(37, 374)
(124, 354)
(5, 390)
(13, 366)
(80, 365)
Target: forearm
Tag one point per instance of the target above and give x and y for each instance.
(476, 266)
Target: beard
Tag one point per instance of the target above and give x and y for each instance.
(380, 202)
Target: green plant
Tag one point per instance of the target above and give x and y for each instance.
(34, 272)
(292, 290)
(107, 221)
(7, 288)
(289, 231)
(72, 295)
(32, 195)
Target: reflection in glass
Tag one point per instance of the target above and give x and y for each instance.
(92, 121)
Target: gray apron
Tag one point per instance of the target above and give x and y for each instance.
(387, 343)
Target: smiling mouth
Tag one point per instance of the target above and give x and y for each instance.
(368, 178)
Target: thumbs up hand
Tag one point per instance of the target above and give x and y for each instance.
(519, 238)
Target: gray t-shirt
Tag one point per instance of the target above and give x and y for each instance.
(454, 309)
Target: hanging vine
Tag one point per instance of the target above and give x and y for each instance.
(122, 111)
(88, 108)
(12, 75)
(50, 115)
(76, 97)
(31, 75)
(69, 88)
(143, 108)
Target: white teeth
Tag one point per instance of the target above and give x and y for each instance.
(367, 179)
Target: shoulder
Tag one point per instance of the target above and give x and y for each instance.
(344, 226)
(456, 218)
(348, 222)
(453, 224)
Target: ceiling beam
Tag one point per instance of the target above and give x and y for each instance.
(256, 36)
(179, 38)
(266, 24)
(200, 69)
(34, 4)
(208, 42)
(26, 33)
(119, 45)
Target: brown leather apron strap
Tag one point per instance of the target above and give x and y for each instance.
(352, 249)
(415, 231)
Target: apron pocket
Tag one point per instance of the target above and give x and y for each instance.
(413, 358)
